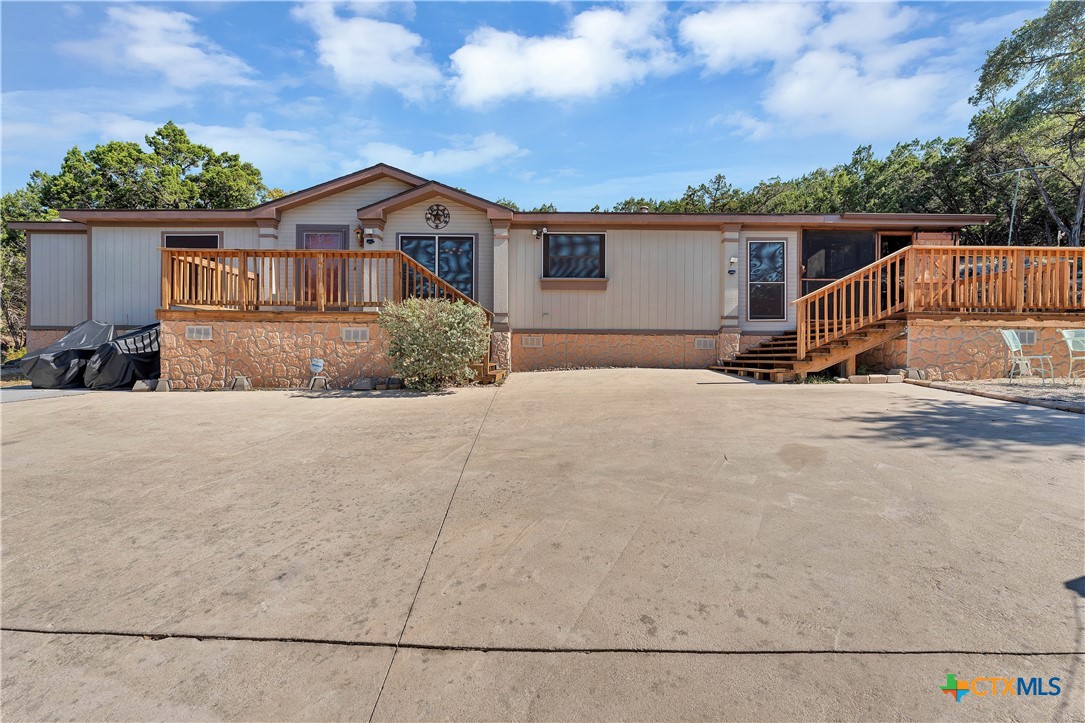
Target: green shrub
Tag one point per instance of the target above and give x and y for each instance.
(432, 342)
(15, 354)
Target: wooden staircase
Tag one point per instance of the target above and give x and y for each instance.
(777, 360)
(489, 372)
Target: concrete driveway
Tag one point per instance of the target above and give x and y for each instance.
(613, 544)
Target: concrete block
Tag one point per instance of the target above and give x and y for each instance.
(163, 385)
(859, 379)
(241, 384)
(876, 378)
(143, 385)
(842, 380)
(915, 374)
(894, 378)
(364, 384)
(395, 383)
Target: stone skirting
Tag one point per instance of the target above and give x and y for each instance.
(41, 338)
(579, 350)
(273, 354)
(963, 350)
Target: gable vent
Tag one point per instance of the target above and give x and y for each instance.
(704, 343)
(531, 342)
(198, 333)
(355, 334)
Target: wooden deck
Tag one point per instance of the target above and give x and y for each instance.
(261, 283)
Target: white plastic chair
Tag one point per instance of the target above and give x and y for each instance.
(1075, 340)
(1026, 364)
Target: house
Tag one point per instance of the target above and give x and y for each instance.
(260, 291)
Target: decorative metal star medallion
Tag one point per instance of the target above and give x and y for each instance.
(437, 216)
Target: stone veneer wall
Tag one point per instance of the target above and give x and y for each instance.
(41, 338)
(575, 350)
(964, 350)
(501, 349)
(273, 354)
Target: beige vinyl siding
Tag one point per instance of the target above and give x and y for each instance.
(658, 280)
(127, 268)
(791, 286)
(464, 220)
(340, 209)
(58, 279)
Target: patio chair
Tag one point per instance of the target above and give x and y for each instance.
(1026, 364)
(1075, 340)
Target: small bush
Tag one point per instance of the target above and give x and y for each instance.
(432, 342)
(14, 354)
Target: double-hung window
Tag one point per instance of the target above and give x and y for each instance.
(574, 256)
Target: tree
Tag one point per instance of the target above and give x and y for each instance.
(25, 205)
(173, 173)
(511, 205)
(170, 172)
(1043, 65)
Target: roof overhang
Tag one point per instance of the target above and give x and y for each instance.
(48, 226)
(858, 221)
(378, 212)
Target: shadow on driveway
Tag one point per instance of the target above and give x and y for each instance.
(970, 429)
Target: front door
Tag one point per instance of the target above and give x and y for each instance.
(450, 257)
(321, 238)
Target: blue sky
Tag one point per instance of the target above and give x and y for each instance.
(572, 103)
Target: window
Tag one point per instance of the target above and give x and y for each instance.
(766, 281)
(1027, 337)
(829, 255)
(574, 255)
(450, 257)
(190, 240)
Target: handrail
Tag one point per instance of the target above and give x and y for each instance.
(318, 280)
(943, 279)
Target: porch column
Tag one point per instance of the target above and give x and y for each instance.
(730, 276)
(268, 236)
(501, 274)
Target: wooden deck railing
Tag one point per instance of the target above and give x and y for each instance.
(299, 280)
(943, 279)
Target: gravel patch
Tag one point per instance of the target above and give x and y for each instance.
(1059, 391)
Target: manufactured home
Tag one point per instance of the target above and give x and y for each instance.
(260, 291)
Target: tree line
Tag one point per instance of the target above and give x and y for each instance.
(1030, 114)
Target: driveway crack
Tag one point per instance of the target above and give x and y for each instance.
(433, 548)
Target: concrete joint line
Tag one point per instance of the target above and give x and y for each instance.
(432, 549)
(155, 637)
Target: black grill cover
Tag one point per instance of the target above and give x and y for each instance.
(60, 365)
(119, 363)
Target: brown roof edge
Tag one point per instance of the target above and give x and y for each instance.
(380, 170)
(156, 215)
(379, 210)
(716, 220)
(56, 226)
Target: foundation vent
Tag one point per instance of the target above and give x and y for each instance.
(198, 333)
(704, 343)
(356, 334)
(531, 342)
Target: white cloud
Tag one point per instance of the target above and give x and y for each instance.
(742, 124)
(834, 68)
(145, 39)
(733, 36)
(364, 52)
(603, 48)
(465, 155)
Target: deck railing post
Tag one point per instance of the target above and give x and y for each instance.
(320, 290)
(1019, 280)
(166, 263)
(242, 280)
(800, 349)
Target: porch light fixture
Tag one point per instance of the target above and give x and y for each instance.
(359, 232)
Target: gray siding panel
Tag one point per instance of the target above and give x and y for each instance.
(658, 280)
(58, 279)
(340, 209)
